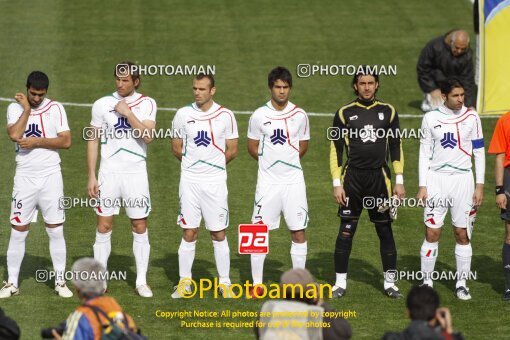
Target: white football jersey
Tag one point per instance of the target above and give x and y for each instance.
(45, 121)
(123, 153)
(451, 138)
(279, 133)
(204, 137)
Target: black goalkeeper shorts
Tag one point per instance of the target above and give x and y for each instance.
(363, 189)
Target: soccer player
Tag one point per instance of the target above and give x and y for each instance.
(500, 146)
(452, 135)
(206, 142)
(278, 136)
(39, 128)
(368, 132)
(122, 172)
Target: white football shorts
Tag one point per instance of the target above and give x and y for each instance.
(453, 192)
(273, 199)
(209, 200)
(45, 193)
(130, 190)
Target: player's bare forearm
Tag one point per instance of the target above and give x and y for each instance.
(92, 153)
(62, 141)
(146, 127)
(177, 148)
(231, 149)
(303, 148)
(253, 148)
(499, 168)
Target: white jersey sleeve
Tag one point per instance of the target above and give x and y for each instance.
(478, 150)
(231, 126)
(254, 130)
(148, 109)
(60, 120)
(178, 123)
(425, 152)
(14, 111)
(304, 129)
(97, 114)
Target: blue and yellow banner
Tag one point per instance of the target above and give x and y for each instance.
(494, 87)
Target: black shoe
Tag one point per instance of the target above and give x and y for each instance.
(337, 292)
(393, 292)
(506, 295)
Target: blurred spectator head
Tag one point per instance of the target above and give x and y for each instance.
(422, 303)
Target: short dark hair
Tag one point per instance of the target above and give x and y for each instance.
(133, 72)
(38, 80)
(279, 73)
(201, 76)
(422, 303)
(364, 71)
(448, 85)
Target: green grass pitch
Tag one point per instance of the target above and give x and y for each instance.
(77, 44)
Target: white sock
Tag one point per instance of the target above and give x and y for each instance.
(257, 267)
(103, 247)
(15, 254)
(388, 284)
(186, 256)
(298, 254)
(428, 254)
(463, 255)
(141, 250)
(57, 252)
(341, 280)
(222, 257)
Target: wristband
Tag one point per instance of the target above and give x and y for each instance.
(399, 179)
(337, 183)
(500, 190)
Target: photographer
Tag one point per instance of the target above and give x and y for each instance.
(98, 314)
(429, 321)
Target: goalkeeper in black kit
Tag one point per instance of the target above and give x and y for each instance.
(367, 130)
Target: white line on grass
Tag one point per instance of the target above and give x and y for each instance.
(316, 114)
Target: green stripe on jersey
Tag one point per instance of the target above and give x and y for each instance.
(288, 164)
(128, 151)
(213, 165)
(451, 166)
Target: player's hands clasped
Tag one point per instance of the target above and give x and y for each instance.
(339, 194)
(122, 108)
(22, 100)
(29, 143)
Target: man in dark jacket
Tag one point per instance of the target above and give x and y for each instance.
(8, 327)
(447, 56)
(428, 320)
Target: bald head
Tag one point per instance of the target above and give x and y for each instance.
(459, 42)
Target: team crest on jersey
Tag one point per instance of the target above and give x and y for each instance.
(368, 133)
(381, 115)
(448, 140)
(278, 137)
(33, 131)
(122, 124)
(202, 139)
